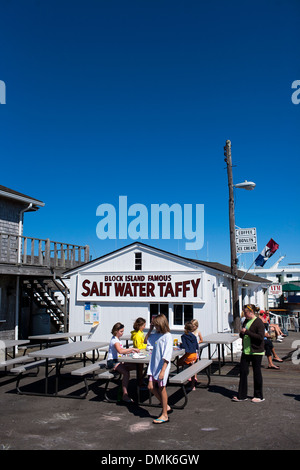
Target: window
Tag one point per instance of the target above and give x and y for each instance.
(138, 261)
(182, 314)
(178, 317)
(289, 275)
(156, 309)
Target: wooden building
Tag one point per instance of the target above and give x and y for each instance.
(31, 271)
(139, 280)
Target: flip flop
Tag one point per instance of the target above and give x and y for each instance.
(127, 400)
(237, 399)
(277, 360)
(257, 400)
(160, 421)
(274, 367)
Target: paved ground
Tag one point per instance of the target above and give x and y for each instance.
(210, 420)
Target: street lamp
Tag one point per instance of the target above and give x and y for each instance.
(248, 185)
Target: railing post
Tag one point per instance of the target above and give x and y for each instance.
(25, 251)
(62, 255)
(47, 252)
(40, 253)
(55, 255)
(86, 253)
(32, 251)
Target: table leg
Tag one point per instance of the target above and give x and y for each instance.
(57, 371)
(46, 376)
(219, 359)
(137, 383)
(223, 354)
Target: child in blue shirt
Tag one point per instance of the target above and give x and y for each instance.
(189, 343)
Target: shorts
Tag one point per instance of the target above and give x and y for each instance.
(111, 363)
(160, 383)
(190, 358)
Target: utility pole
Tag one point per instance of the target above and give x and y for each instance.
(234, 260)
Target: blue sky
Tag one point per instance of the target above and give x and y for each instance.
(111, 98)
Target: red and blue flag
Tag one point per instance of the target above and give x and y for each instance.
(266, 253)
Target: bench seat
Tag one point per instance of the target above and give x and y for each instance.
(89, 369)
(29, 366)
(15, 360)
(189, 372)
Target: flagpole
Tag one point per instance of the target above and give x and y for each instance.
(247, 270)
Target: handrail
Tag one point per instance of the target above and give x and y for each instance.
(41, 252)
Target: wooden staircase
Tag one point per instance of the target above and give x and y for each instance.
(53, 296)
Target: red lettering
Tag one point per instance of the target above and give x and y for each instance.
(135, 286)
(169, 290)
(119, 289)
(178, 288)
(94, 289)
(142, 289)
(195, 285)
(107, 284)
(161, 285)
(87, 289)
(150, 289)
(128, 290)
(186, 287)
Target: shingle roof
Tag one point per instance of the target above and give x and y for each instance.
(217, 266)
(12, 194)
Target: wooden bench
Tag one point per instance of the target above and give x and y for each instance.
(183, 377)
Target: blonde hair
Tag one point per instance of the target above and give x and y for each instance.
(162, 323)
(195, 324)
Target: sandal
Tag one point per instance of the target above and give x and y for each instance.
(160, 421)
(237, 399)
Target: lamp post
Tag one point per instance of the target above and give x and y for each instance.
(248, 185)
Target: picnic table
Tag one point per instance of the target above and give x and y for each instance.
(177, 378)
(144, 357)
(53, 337)
(58, 354)
(9, 344)
(126, 338)
(220, 339)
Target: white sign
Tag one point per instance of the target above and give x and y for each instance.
(155, 287)
(275, 289)
(91, 313)
(245, 239)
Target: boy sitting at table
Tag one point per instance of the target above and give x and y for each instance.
(189, 343)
